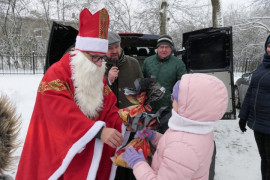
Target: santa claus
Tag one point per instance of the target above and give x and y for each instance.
(75, 127)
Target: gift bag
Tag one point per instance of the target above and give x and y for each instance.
(137, 144)
(139, 115)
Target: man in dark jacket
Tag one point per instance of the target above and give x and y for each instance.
(167, 69)
(255, 110)
(121, 72)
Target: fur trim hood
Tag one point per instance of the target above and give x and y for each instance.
(9, 130)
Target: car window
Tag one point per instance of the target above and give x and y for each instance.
(139, 46)
(246, 75)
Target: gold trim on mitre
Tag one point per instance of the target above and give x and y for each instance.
(103, 24)
(56, 85)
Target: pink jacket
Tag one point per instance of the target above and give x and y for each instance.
(184, 152)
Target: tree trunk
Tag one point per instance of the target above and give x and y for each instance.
(163, 17)
(217, 17)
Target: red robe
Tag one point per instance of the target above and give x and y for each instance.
(60, 142)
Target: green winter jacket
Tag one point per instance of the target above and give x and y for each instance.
(167, 72)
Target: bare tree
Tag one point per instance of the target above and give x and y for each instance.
(11, 26)
(180, 16)
(217, 17)
(163, 17)
(123, 17)
(177, 13)
(46, 8)
(262, 4)
(250, 28)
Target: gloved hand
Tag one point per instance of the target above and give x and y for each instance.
(132, 157)
(145, 133)
(242, 125)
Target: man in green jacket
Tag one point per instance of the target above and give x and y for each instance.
(167, 69)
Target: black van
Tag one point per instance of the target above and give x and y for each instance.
(62, 38)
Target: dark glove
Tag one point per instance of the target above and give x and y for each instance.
(242, 125)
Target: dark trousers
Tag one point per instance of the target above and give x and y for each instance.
(164, 119)
(263, 143)
(213, 164)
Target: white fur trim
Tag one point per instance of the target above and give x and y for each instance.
(126, 135)
(96, 159)
(91, 44)
(88, 84)
(76, 148)
(179, 123)
(113, 172)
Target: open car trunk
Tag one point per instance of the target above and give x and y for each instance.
(210, 51)
(61, 39)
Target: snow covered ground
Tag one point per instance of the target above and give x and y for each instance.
(237, 155)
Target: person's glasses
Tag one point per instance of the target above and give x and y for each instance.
(96, 58)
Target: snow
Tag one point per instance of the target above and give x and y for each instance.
(237, 155)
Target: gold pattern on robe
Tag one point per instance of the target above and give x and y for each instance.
(56, 85)
(107, 90)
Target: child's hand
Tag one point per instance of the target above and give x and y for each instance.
(145, 133)
(132, 157)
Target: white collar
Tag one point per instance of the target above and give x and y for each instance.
(179, 123)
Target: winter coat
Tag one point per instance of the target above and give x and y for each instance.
(256, 105)
(185, 151)
(166, 72)
(129, 71)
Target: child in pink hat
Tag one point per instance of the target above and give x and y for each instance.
(185, 150)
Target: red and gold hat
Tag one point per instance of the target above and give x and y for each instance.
(93, 31)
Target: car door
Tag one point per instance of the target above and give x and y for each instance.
(61, 38)
(210, 51)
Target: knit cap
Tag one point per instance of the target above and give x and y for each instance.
(176, 90)
(165, 39)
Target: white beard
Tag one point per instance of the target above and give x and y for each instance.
(88, 84)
